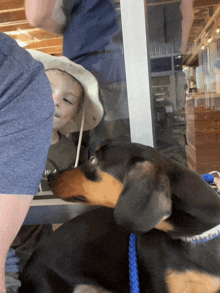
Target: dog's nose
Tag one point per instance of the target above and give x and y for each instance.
(51, 178)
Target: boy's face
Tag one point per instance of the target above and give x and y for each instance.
(67, 93)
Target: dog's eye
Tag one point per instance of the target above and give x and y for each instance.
(80, 198)
(93, 160)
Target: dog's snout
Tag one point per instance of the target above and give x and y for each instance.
(51, 178)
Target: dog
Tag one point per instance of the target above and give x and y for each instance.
(172, 210)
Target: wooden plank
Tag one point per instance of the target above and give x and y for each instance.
(11, 4)
(194, 32)
(14, 26)
(46, 43)
(10, 16)
(192, 54)
(30, 31)
(40, 34)
(52, 50)
(199, 22)
(204, 3)
(31, 35)
(201, 13)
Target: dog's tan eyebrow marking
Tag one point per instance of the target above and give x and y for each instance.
(191, 282)
(148, 167)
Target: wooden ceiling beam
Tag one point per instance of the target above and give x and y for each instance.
(33, 33)
(46, 43)
(199, 23)
(40, 34)
(11, 4)
(12, 16)
(52, 50)
(31, 30)
(204, 3)
(194, 31)
(14, 26)
(33, 38)
(210, 26)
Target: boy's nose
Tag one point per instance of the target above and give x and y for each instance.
(56, 100)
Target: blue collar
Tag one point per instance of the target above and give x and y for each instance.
(133, 267)
(204, 237)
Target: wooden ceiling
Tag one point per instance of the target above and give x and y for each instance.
(205, 23)
(13, 22)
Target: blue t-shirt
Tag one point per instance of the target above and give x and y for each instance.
(26, 119)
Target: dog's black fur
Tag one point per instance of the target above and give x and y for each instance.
(159, 200)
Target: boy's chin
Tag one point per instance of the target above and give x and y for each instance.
(58, 128)
(57, 125)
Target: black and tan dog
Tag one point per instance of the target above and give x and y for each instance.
(169, 207)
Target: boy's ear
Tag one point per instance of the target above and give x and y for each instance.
(145, 199)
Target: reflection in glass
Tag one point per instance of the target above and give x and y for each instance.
(168, 82)
(203, 107)
(93, 38)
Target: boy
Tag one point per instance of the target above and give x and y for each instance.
(75, 91)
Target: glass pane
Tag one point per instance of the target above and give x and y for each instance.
(178, 62)
(161, 64)
(185, 91)
(203, 110)
(168, 82)
(94, 40)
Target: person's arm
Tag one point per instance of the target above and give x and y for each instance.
(46, 14)
(26, 122)
(13, 209)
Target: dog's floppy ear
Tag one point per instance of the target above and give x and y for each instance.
(145, 199)
(193, 195)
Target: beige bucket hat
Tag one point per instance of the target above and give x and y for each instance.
(93, 109)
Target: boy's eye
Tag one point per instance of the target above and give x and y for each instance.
(67, 101)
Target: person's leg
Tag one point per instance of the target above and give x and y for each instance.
(13, 209)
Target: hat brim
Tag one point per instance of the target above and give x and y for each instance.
(93, 109)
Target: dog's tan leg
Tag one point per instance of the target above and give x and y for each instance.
(90, 289)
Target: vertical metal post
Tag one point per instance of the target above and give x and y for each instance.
(137, 71)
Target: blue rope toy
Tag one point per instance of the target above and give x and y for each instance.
(133, 268)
